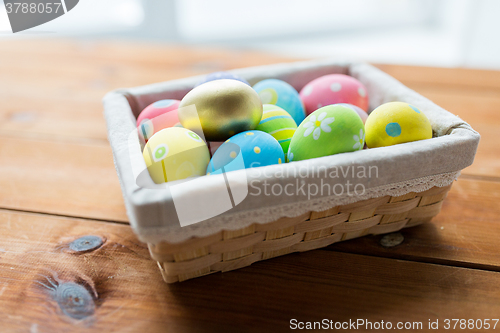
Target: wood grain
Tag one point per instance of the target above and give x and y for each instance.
(116, 287)
(473, 95)
(60, 273)
(475, 79)
(465, 233)
(65, 82)
(67, 109)
(97, 195)
(74, 179)
(55, 91)
(481, 110)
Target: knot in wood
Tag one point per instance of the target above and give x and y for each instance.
(86, 243)
(391, 240)
(74, 300)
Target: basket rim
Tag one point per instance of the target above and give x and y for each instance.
(152, 211)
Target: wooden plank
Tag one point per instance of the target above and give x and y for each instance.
(487, 161)
(53, 89)
(152, 55)
(30, 182)
(75, 72)
(66, 80)
(49, 118)
(465, 233)
(74, 179)
(457, 77)
(47, 287)
(471, 105)
(480, 110)
(55, 94)
(471, 94)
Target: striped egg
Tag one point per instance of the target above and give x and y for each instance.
(279, 124)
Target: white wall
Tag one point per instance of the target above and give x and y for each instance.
(421, 32)
(435, 33)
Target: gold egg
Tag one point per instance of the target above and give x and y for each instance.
(223, 108)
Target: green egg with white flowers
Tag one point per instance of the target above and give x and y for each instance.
(330, 130)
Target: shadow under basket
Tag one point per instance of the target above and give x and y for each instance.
(228, 250)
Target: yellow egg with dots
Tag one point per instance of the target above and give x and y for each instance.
(175, 153)
(394, 123)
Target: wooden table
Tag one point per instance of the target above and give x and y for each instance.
(58, 184)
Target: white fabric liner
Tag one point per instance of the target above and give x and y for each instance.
(410, 167)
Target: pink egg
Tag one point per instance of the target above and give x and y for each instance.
(333, 89)
(362, 114)
(157, 116)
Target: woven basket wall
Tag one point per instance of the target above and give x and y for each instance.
(228, 250)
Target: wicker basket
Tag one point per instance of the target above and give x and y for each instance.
(237, 238)
(228, 250)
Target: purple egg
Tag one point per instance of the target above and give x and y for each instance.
(219, 76)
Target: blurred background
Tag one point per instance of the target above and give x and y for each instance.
(450, 33)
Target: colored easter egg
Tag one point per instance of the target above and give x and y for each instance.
(220, 76)
(333, 89)
(361, 113)
(157, 116)
(220, 109)
(279, 124)
(282, 94)
(396, 122)
(245, 150)
(332, 129)
(175, 153)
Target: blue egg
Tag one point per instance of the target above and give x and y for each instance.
(245, 150)
(280, 93)
(221, 75)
